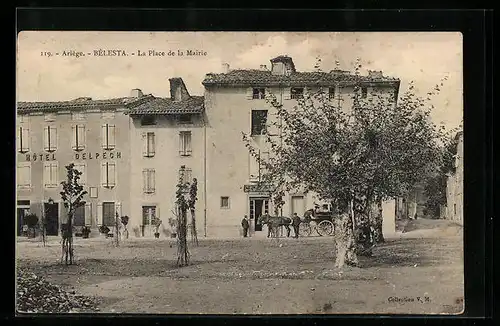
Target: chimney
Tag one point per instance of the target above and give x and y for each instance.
(282, 65)
(136, 93)
(225, 67)
(263, 67)
(375, 74)
(178, 91)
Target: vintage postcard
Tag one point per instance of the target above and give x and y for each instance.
(239, 173)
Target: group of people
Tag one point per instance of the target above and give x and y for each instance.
(295, 222)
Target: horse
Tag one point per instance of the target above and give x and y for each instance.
(274, 223)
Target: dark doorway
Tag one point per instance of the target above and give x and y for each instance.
(23, 208)
(52, 218)
(258, 207)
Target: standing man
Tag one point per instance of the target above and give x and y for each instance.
(295, 224)
(245, 225)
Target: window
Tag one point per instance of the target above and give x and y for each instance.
(297, 92)
(364, 92)
(108, 174)
(93, 192)
(185, 143)
(148, 144)
(108, 115)
(78, 139)
(24, 175)
(224, 202)
(259, 93)
(148, 120)
(185, 118)
(77, 116)
(331, 92)
(50, 117)
(23, 118)
(108, 136)
(148, 214)
(23, 139)
(50, 174)
(79, 216)
(185, 174)
(108, 213)
(50, 138)
(148, 181)
(259, 120)
(81, 168)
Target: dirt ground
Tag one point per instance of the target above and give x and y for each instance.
(417, 272)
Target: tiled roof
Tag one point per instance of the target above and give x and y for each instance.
(265, 78)
(157, 105)
(80, 104)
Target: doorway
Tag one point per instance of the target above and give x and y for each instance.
(258, 207)
(23, 208)
(51, 218)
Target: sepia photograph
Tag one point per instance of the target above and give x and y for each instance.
(240, 173)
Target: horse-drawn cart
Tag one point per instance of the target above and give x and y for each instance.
(321, 222)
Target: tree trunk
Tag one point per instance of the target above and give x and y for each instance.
(379, 236)
(182, 249)
(345, 239)
(194, 234)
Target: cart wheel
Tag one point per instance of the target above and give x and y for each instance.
(304, 229)
(325, 228)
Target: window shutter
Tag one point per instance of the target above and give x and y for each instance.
(88, 214)
(249, 93)
(152, 180)
(112, 174)
(181, 143)
(103, 174)
(152, 143)
(46, 138)
(53, 138)
(144, 144)
(81, 136)
(25, 139)
(54, 174)
(74, 141)
(145, 180)
(99, 214)
(104, 136)
(46, 174)
(118, 209)
(111, 136)
(19, 137)
(188, 142)
(27, 175)
(81, 167)
(286, 93)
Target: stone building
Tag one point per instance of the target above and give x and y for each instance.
(234, 102)
(167, 138)
(92, 134)
(455, 186)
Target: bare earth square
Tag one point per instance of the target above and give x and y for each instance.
(419, 272)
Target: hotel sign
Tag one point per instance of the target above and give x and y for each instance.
(33, 157)
(257, 188)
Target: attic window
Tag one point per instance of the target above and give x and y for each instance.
(259, 93)
(148, 120)
(185, 118)
(297, 92)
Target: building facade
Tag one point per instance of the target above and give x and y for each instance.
(92, 134)
(167, 142)
(455, 186)
(235, 103)
(146, 143)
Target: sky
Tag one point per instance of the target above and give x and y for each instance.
(422, 57)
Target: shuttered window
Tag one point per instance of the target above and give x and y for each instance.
(81, 167)
(108, 174)
(108, 136)
(185, 143)
(148, 139)
(51, 174)
(148, 180)
(78, 137)
(24, 175)
(108, 213)
(79, 216)
(50, 138)
(23, 139)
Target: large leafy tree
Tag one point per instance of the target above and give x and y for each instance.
(358, 155)
(72, 196)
